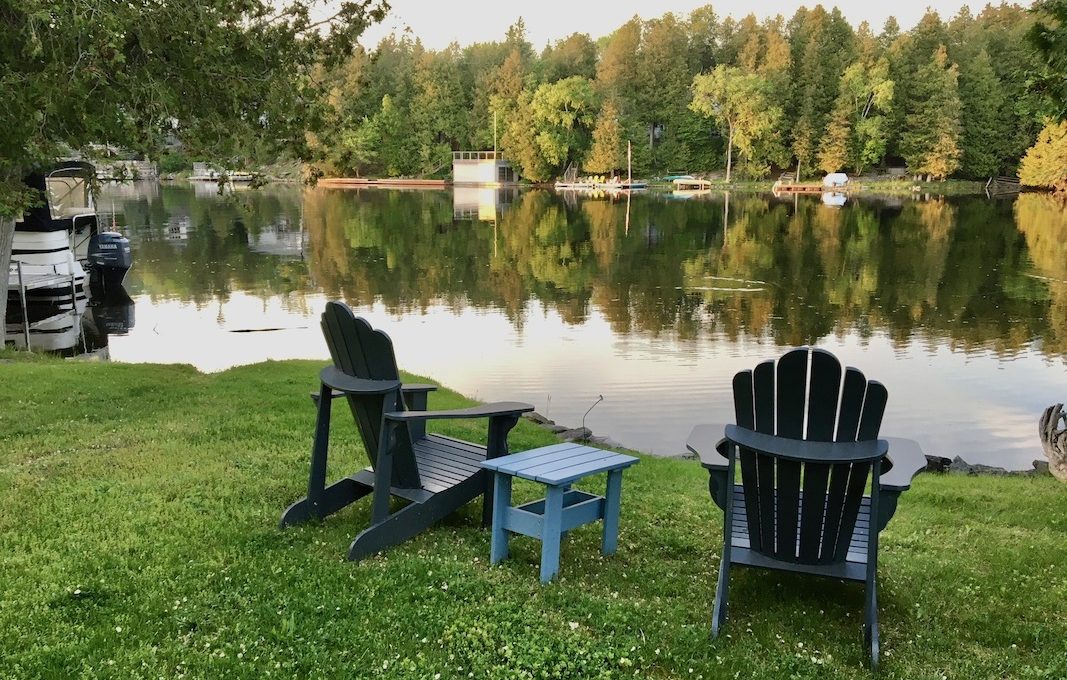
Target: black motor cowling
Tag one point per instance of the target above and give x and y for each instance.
(109, 258)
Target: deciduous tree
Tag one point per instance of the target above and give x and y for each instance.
(213, 74)
(1045, 164)
(740, 105)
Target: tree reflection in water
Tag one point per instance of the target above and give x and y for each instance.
(950, 270)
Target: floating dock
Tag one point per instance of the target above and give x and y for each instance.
(358, 182)
(803, 188)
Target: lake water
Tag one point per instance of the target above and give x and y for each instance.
(958, 305)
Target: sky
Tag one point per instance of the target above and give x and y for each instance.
(439, 22)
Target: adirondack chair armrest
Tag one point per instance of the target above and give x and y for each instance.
(415, 395)
(908, 461)
(799, 449)
(346, 384)
(414, 388)
(712, 448)
(499, 408)
(707, 442)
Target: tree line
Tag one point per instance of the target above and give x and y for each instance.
(812, 93)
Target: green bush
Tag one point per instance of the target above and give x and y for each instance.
(174, 162)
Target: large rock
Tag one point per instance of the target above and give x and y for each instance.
(607, 442)
(938, 463)
(961, 466)
(578, 434)
(536, 417)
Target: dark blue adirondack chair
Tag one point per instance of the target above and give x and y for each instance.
(435, 474)
(806, 440)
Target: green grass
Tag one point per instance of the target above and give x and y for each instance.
(138, 538)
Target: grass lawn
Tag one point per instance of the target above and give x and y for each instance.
(138, 538)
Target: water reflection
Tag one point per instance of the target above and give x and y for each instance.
(960, 305)
(83, 331)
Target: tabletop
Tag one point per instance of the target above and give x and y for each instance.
(559, 463)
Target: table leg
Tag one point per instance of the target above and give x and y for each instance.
(498, 549)
(611, 512)
(564, 534)
(550, 533)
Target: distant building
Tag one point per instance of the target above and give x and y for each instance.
(486, 168)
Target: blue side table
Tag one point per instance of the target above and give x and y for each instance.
(562, 509)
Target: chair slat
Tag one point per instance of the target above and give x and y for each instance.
(852, 392)
(791, 386)
(812, 511)
(873, 410)
(788, 507)
(825, 388)
(743, 412)
(361, 335)
(766, 494)
(751, 488)
(835, 500)
(763, 397)
(857, 480)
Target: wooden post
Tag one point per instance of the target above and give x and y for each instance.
(26, 309)
(7, 239)
(629, 165)
(1054, 440)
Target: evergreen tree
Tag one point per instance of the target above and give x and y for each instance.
(1049, 36)
(663, 79)
(397, 150)
(981, 100)
(616, 76)
(520, 141)
(834, 150)
(704, 36)
(930, 144)
(606, 155)
(437, 110)
(821, 45)
(507, 84)
(575, 55)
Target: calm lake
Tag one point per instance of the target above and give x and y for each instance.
(958, 305)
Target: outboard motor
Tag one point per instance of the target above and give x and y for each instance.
(109, 259)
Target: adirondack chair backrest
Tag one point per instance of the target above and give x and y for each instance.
(803, 511)
(360, 351)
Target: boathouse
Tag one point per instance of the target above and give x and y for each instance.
(484, 168)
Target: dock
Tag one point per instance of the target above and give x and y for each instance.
(802, 188)
(389, 182)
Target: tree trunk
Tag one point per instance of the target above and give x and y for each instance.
(7, 237)
(1054, 440)
(729, 153)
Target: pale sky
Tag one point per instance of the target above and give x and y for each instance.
(439, 22)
